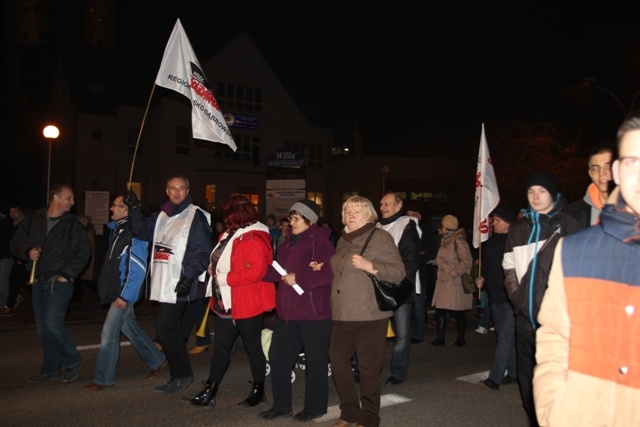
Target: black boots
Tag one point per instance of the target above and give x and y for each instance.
(206, 397)
(256, 396)
(440, 319)
(461, 325)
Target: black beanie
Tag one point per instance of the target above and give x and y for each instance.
(505, 213)
(546, 180)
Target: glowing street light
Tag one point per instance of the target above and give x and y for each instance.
(50, 132)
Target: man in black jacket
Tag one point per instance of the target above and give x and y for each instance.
(56, 245)
(492, 279)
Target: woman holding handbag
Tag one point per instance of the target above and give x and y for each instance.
(454, 259)
(359, 327)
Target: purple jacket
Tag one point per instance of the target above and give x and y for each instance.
(312, 245)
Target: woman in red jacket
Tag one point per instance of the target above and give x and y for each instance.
(240, 297)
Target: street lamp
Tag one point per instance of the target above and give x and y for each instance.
(50, 132)
(594, 82)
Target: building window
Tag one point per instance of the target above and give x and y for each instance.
(248, 149)
(183, 140)
(348, 194)
(317, 198)
(240, 97)
(313, 154)
(132, 140)
(254, 198)
(210, 197)
(96, 135)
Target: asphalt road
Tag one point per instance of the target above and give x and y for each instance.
(442, 389)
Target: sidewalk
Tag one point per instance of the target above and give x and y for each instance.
(87, 311)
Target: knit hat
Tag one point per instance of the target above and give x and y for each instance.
(505, 213)
(546, 180)
(450, 222)
(307, 209)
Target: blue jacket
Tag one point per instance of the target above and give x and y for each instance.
(125, 265)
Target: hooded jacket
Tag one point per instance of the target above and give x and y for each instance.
(528, 256)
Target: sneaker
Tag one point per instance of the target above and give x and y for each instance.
(489, 383)
(71, 374)
(6, 311)
(482, 330)
(175, 385)
(43, 376)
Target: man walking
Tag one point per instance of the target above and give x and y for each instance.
(586, 374)
(57, 245)
(492, 280)
(406, 234)
(121, 277)
(181, 236)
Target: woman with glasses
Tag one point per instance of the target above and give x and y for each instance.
(304, 315)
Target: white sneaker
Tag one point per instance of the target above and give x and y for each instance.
(482, 330)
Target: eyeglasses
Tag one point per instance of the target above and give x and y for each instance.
(630, 162)
(597, 168)
(295, 218)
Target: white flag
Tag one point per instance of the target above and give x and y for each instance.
(181, 71)
(487, 196)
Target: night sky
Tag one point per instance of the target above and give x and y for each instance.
(426, 78)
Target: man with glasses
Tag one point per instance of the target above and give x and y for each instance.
(588, 374)
(587, 210)
(121, 278)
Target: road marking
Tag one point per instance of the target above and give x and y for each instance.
(474, 378)
(333, 412)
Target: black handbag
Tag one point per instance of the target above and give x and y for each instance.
(389, 295)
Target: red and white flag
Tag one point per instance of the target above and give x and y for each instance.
(181, 71)
(487, 196)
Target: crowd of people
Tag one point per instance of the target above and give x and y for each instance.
(542, 277)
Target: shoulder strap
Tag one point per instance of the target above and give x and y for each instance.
(367, 242)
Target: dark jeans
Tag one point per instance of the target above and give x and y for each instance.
(288, 339)
(50, 305)
(366, 340)
(170, 336)
(402, 349)
(504, 358)
(526, 361)
(226, 332)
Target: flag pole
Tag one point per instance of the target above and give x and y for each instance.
(479, 210)
(135, 152)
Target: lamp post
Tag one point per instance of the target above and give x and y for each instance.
(50, 132)
(594, 82)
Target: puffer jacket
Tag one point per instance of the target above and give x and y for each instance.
(588, 373)
(352, 295)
